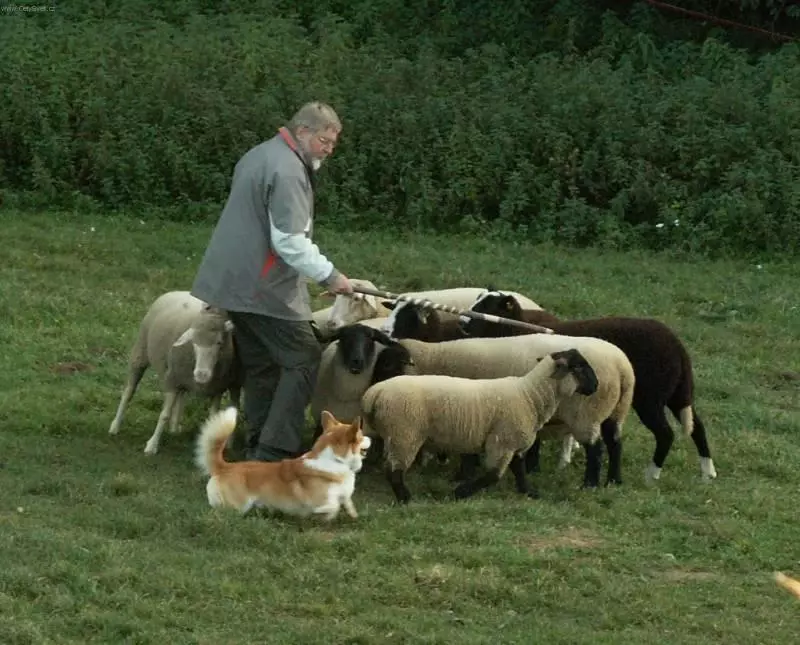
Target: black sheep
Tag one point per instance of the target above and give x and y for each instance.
(663, 368)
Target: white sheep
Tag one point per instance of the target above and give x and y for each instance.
(190, 346)
(349, 309)
(499, 417)
(480, 358)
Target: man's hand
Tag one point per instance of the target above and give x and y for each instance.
(341, 285)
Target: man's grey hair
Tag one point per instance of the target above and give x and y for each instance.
(315, 116)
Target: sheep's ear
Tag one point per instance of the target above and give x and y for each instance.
(509, 303)
(423, 315)
(185, 337)
(318, 333)
(560, 368)
(389, 304)
(228, 326)
(372, 301)
(379, 337)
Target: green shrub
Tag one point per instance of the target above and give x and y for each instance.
(600, 145)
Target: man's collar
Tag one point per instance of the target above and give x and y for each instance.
(290, 141)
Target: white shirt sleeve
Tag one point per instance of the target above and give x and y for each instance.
(300, 253)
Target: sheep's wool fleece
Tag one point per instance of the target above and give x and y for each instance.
(168, 317)
(464, 415)
(491, 358)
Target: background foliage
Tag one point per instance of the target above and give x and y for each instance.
(569, 121)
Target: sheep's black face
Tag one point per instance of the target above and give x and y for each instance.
(391, 362)
(406, 320)
(575, 363)
(357, 346)
(494, 303)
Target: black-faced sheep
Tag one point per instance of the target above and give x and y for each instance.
(662, 365)
(349, 309)
(190, 346)
(345, 372)
(409, 320)
(476, 358)
(498, 416)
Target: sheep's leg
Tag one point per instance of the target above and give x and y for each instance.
(496, 464)
(135, 375)
(214, 405)
(517, 467)
(610, 431)
(568, 445)
(177, 412)
(396, 478)
(594, 458)
(701, 443)
(532, 456)
(235, 396)
(652, 416)
(400, 454)
(166, 411)
(467, 467)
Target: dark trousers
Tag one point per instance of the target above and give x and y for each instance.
(280, 360)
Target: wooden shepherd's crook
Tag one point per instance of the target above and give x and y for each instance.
(427, 304)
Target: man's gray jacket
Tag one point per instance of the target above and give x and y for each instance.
(260, 256)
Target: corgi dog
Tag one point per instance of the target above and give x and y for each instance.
(319, 482)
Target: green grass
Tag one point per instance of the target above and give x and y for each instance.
(101, 544)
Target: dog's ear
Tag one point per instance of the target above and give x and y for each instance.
(327, 420)
(357, 424)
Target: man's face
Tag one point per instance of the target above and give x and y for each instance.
(318, 145)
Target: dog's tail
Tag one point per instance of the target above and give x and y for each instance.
(212, 439)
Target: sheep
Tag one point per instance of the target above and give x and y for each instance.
(345, 372)
(499, 357)
(499, 416)
(190, 346)
(349, 309)
(663, 367)
(409, 320)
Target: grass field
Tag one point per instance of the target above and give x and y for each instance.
(101, 544)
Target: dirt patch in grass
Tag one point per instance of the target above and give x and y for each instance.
(571, 538)
(683, 575)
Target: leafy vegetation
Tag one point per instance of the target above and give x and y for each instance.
(591, 128)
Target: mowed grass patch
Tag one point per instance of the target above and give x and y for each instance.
(103, 544)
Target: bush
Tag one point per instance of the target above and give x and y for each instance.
(573, 146)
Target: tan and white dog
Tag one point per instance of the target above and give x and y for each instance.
(319, 482)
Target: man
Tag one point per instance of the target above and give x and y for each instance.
(257, 265)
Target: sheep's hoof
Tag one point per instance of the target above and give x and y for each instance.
(150, 450)
(532, 494)
(114, 428)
